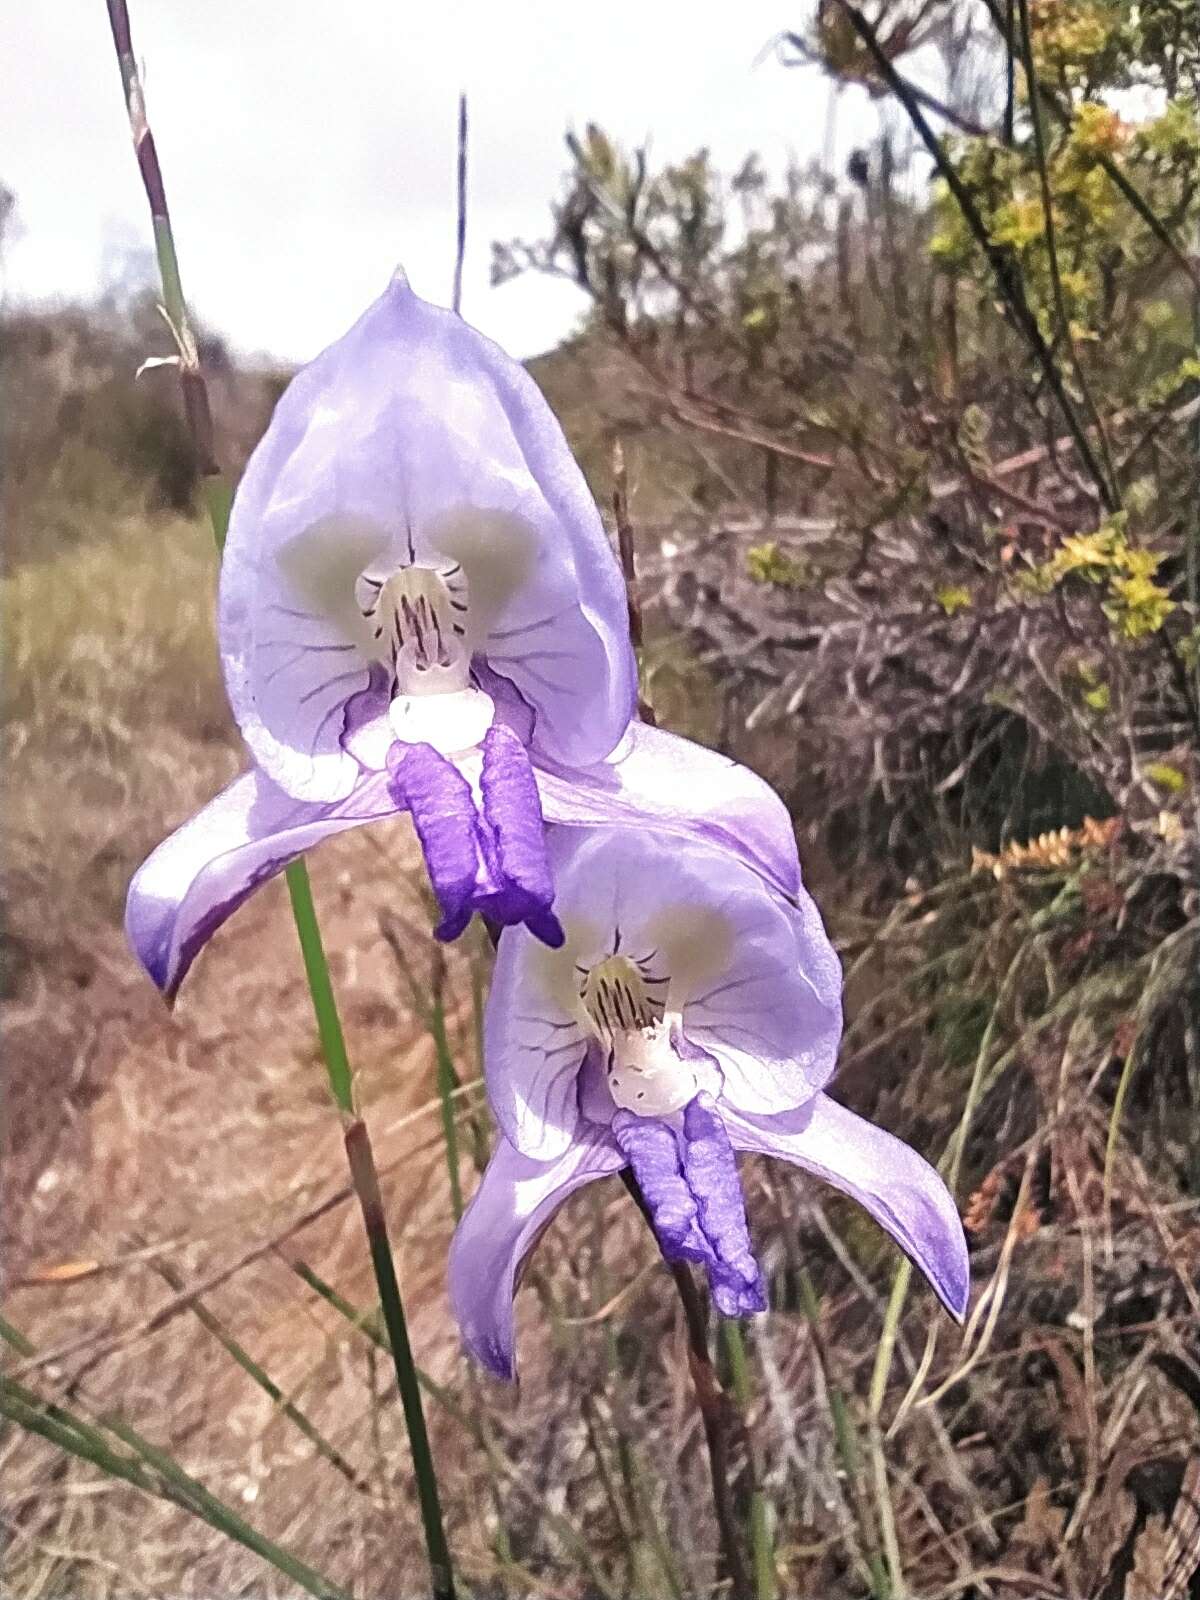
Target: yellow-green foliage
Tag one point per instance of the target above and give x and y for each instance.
(1134, 602)
(1094, 225)
(1070, 36)
(1094, 691)
(1166, 777)
(767, 563)
(952, 598)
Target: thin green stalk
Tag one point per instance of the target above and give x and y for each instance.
(259, 1375)
(60, 1428)
(320, 987)
(166, 1479)
(366, 1321)
(219, 1515)
(845, 1443)
(15, 1338)
(762, 1549)
(1113, 494)
(366, 1186)
(358, 1148)
(474, 1424)
(879, 1376)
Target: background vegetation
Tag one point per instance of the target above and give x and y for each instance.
(912, 462)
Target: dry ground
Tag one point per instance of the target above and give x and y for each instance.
(146, 1149)
(138, 1140)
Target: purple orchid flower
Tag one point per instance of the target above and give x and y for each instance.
(417, 596)
(420, 612)
(691, 1012)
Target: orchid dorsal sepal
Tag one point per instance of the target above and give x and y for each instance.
(415, 574)
(414, 506)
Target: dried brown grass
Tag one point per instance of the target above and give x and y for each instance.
(135, 1136)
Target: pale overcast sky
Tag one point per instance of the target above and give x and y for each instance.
(309, 147)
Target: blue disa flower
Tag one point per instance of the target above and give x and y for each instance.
(690, 1013)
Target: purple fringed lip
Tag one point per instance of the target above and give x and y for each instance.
(491, 860)
(689, 1180)
(488, 856)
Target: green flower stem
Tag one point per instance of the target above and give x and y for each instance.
(218, 497)
(366, 1186)
(366, 1321)
(762, 1552)
(320, 987)
(474, 1421)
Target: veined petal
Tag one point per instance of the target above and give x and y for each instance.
(415, 439)
(756, 980)
(772, 1018)
(534, 1045)
(184, 891)
(685, 789)
(897, 1186)
(515, 1199)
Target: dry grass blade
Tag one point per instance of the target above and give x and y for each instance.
(1167, 1551)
